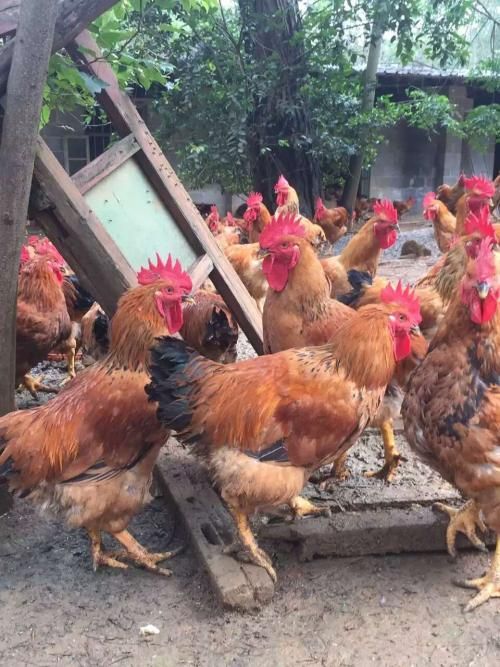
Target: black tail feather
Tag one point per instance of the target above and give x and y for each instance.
(169, 386)
(358, 280)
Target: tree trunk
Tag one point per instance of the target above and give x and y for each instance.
(73, 16)
(367, 102)
(279, 127)
(17, 155)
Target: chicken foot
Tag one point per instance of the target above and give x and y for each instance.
(465, 520)
(33, 385)
(302, 507)
(252, 551)
(99, 557)
(391, 455)
(488, 586)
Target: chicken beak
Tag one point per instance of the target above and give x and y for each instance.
(263, 252)
(483, 289)
(415, 329)
(189, 300)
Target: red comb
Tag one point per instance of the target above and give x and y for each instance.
(428, 199)
(404, 297)
(165, 271)
(33, 240)
(45, 248)
(214, 213)
(281, 185)
(320, 209)
(484, 266)
(286, 224)
(480, 185)
(231, 222)
(254, 199)
(25, 256)
(480, 222)
(385, 211)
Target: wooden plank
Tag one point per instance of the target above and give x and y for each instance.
(238, 585)
(92, 252)
(200, 270)
(126, 119)
(105, 164)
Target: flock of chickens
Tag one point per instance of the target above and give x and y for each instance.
(344, 349)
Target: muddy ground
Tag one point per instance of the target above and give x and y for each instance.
(396, 610)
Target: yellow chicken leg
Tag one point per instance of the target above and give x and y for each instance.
(98, 555)
(255, 554)
(139, 555)
(465, 520)
(488, 586)
(391, 455)
(302, 507)
(33, 385)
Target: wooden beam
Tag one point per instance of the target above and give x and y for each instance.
(126, 119)
(200, 270)
(80, 236)
(73, 17)
(17, 154)
(105, 164)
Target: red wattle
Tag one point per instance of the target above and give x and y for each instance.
(173, 317)
(276, 273)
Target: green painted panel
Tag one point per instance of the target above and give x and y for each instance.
(135, 217)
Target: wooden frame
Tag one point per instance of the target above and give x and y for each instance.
(80, 236)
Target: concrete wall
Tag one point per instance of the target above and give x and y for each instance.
(408, 164)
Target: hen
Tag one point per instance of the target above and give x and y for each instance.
(88, 455)
(42, 320)
(299, 311)
(443, 221)
(332, 221)
(452, 409)
(248, 265)
(262, 426)
(210, 327)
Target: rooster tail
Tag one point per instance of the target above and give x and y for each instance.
(170, 387)
(358, 281)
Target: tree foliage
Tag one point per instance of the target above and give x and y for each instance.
(209, 85)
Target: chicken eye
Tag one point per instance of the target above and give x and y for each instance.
(284, 244)
(402, 318)
(170, 290)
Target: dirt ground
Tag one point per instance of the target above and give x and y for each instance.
(331, 612)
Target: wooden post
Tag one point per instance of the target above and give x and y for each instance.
(17, 154)
(73, 16)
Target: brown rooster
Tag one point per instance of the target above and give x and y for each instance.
(287, 201)
(264, 425)
(248, 265)
(88, 455)
(479, 191)
(299, 311)
(450, 194)
(256, 216)
(443, 221)
(452, 409)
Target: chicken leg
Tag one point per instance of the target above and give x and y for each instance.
(98, 555)
(139, 555)
(391, 455)
(302, 507)
(465, 520)
(33, 385)
(488, 586)
(255, 554)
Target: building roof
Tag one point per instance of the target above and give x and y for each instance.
(420, 70)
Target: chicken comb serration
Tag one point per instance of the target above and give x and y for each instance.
(480, 185)
(25, 256)
(484, 262)
(33, 240)
(480, 222)
(254, 199)
(319, 209)
(46, 248)
(165, 271)
(286, 224)
(385, 211)
(281, 185)
(404, 297)
(230, 221)
(428, 199)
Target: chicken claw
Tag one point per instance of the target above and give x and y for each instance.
(98, 555)
(140, 556)
(488, 586)
(465, 520)
(252, 551)
(391, 455)
(33, 385)
(302, 507)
